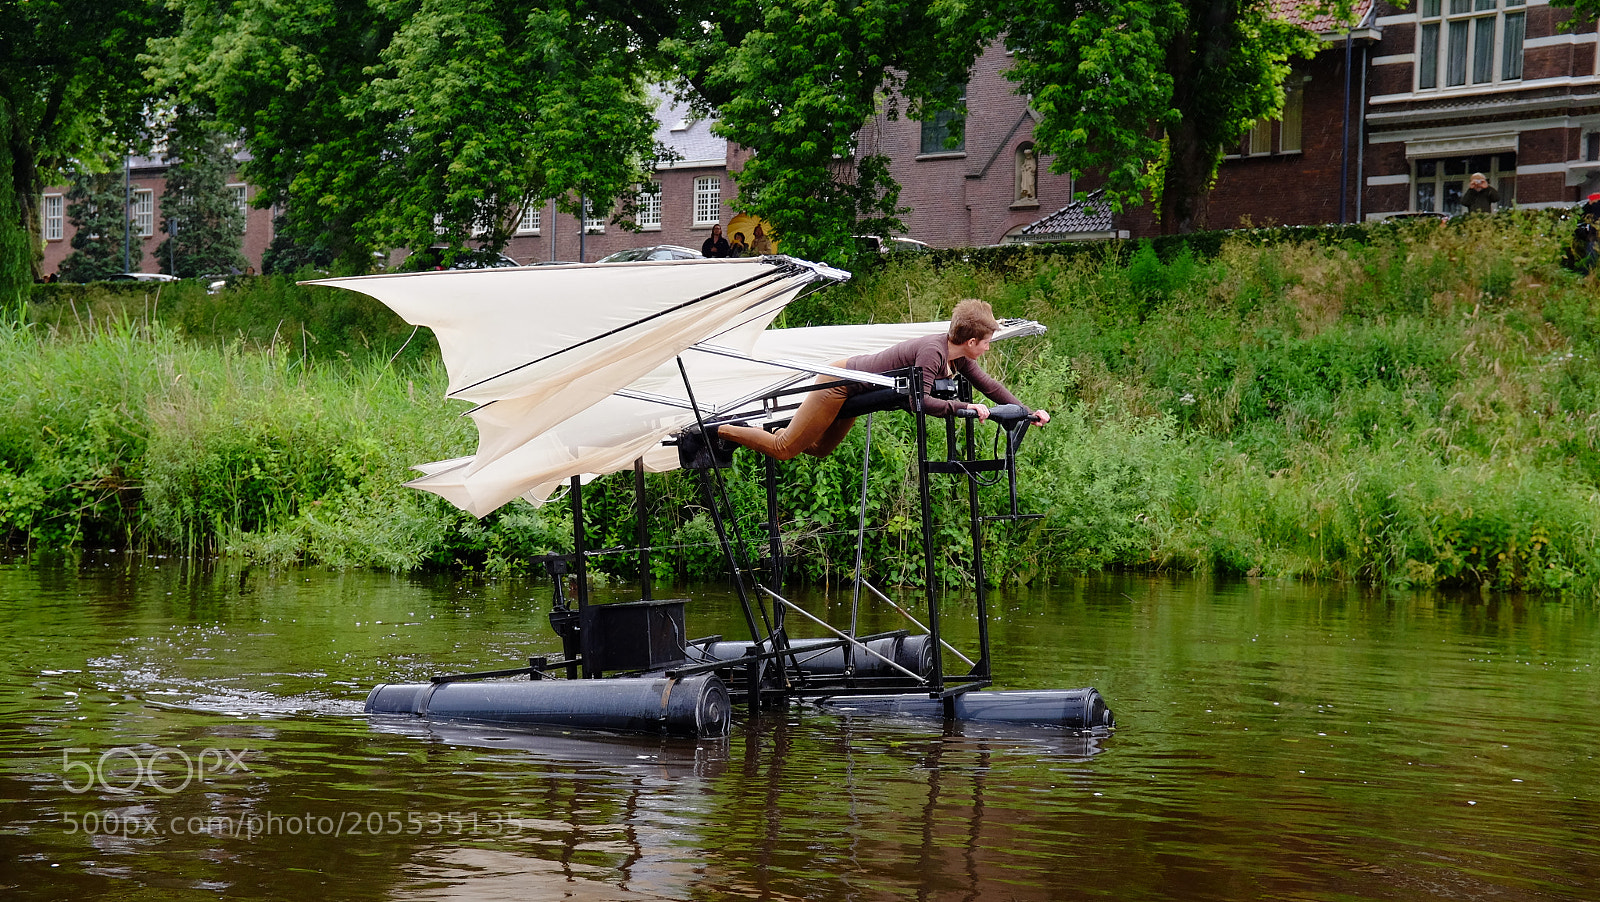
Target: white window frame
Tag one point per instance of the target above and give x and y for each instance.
(144, 212)
(649, 212)
(54, 213)
(1438, 182)
(708, 200)
(241, 201)
(1289, 124)
(528, 222)
(1463, 44)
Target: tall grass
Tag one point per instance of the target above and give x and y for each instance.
(1420, 407)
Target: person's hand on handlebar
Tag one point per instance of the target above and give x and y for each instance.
(980, 411)
(1041, 417)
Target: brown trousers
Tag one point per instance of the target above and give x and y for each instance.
(814, 430)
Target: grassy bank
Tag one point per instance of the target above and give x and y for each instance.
(1417, 406)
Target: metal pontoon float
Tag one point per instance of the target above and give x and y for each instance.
(584, 370)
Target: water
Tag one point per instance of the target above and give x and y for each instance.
(171, 733)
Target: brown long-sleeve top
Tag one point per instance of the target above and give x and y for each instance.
(927, 353)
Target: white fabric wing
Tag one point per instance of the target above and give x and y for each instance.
(575, 368)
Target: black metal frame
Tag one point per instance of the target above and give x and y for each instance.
(771, 671)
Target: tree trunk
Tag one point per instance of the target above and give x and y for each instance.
(21, 241)
(1186, 188)
(1192, 155)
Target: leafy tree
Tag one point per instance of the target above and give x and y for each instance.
(412, 122)
(204, 226)
(289, 254)
(97, 205)
(795, 82)
(17, 247)
(71, 90)
(1149, 92)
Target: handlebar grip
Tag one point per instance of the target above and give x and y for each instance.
(967, 412)
(1009, 414)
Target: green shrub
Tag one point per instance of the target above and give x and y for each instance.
(1406, 403)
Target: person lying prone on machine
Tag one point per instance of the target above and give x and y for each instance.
(817, 428)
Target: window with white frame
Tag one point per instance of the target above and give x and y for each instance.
(241, 200)
(1469, 42)
(707, 200)
(1258, 140)
(1436, 184)
(144, 213)
(55, 220)
(592, 223)
(528, 224)
(649, 213)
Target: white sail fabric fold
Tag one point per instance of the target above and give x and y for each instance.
(575, 368)
(619, 429)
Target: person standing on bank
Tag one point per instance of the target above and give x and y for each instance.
(716, 245)
(816, 428)
(1480, 196)
(760, 245)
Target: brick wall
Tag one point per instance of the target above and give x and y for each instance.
(969, 198)
(258, 227)
(559, 234)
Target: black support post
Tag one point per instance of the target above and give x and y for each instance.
(641, 511)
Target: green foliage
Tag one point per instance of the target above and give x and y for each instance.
(296, 249)
(311, 323)
(205, 229)
(381, 125)
(1150, 93)
(795, 82)
(18, 248)
(71, 91)
(97, 207)
(1408, 406)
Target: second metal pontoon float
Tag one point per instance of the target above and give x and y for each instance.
(579, 371)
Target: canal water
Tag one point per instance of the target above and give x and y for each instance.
(170, 732)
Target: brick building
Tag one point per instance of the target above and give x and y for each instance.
(1390, 118)
(1303, 168)
(693, 193)
(1396, 113)
(146, 179)
(1294, 170)
(990, 184)
(691, 196)
(1492, 86)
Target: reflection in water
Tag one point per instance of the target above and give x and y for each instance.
(1274, 741)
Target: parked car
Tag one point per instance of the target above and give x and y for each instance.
(654, 252)
(1424, 215)
(468, 258)
(876, 244)
(140, 277)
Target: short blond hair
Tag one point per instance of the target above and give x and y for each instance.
(971, 319)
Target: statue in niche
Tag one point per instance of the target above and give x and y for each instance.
(1027, 175)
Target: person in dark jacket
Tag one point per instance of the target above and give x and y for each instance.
(716, 245)
(1587, 235)
(1480, 196)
